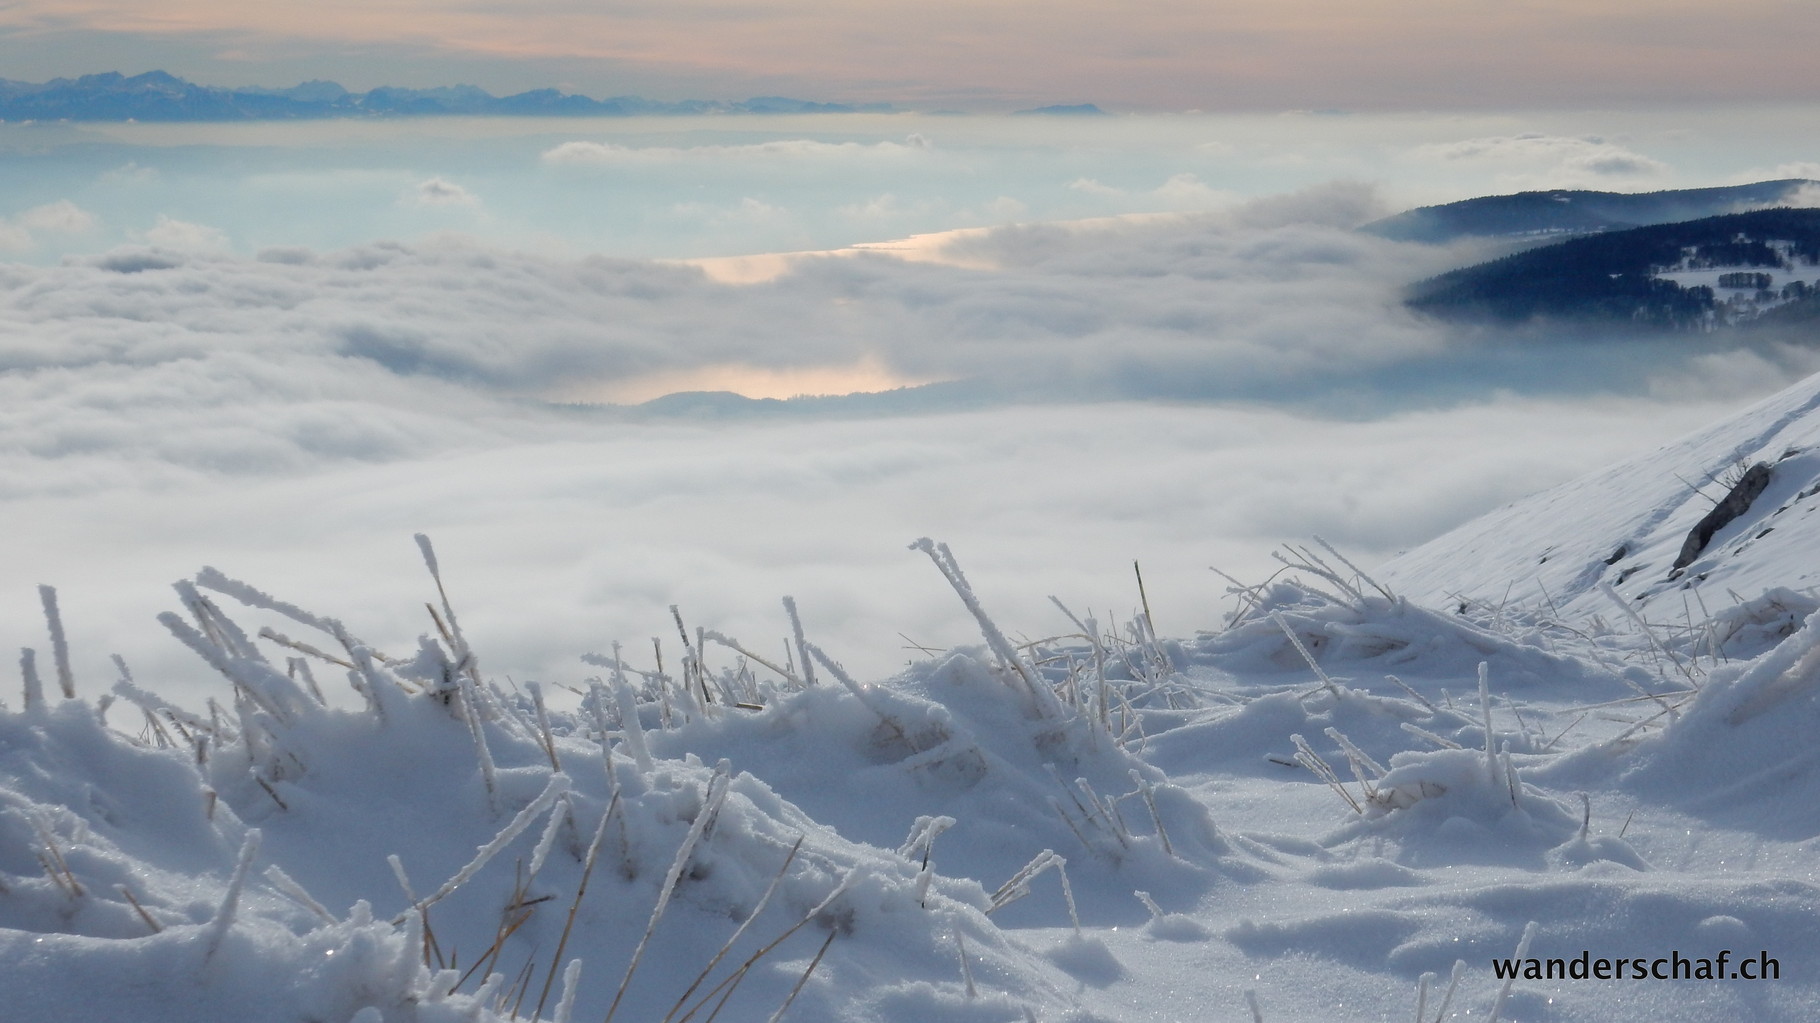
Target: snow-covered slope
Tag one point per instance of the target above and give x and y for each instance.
(1627, 526)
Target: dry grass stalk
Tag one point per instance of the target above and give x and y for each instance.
(560, 816)
(1143, 598)
(28, 668)
(694, 679)
(548, 741)
(1149, 792)
(442, 627)
(522, 984)
(581, 889)
(796, 631)
(717, 791)
(60, 648)
(730, 983)
(1045, 701)
(1307, 757)
(281, 639)
(1453, 985)
(137, 908)
(1307, 561)
(464, 656)
(787, 675)
(296, 892)
(1019, 885)
(1093, 813)
(230, 902)
(558, 784)
(1655, 644)
(1485, 710)
(492, 953)
(960, 945)
(431, 947)
(1296, 641)
(859, 692)
(1357, 572)
(220, 583)
(282, 805)
(571, 982)
(1418, 697)
(1365, 770)
(1438, 740)
(1089, 630)
(51, 858)
(296, 666)
(739, 931)
(187, 737)
(470, 711)
(804, 979)
(156, 730)
(1108, 812)
(923, 835)
(1497, 1006)
(1056, 805)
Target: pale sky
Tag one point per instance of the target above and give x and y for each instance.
(979, 54)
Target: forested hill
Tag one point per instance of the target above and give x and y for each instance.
(1572, 211)
(1699, 275)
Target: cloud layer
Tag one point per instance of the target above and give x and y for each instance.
(1534, 160)
(1274, 294)
(293, 418)
(694, 188)
(560, 538)
(781, 151)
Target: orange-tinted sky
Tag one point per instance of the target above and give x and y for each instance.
(1149, 54)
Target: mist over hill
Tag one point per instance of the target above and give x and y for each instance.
(1564, 212)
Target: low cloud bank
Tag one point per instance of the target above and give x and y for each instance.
(585, 153)
(293, 418)
(1532, 160)
(1179, 306)
(570, 534)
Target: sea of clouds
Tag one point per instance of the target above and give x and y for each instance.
(1181, 385)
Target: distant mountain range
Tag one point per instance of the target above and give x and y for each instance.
(158, 96)
(1571, 211)
(1064, 110)
(1760, 268)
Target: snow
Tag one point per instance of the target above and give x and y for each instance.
(1626, 525)
(1781, 284)
(1314, 809)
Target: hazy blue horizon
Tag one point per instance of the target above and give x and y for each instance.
(704, 186)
